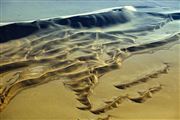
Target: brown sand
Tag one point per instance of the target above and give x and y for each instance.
(158, 96)
(64, 73)
(163, 104)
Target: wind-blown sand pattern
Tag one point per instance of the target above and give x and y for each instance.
(79, 51)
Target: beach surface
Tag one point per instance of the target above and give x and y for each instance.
(54, 101)
(112, 64)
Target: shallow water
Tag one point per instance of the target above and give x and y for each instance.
(21, 10)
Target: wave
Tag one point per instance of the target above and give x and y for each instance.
(116, 16)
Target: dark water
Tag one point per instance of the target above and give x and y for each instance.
(128, 19)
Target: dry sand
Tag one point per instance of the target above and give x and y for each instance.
(53, 100)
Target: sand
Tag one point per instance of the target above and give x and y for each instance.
(55, 101)
(113, 65)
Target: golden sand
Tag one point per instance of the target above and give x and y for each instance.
(100, 70)
(145, 86)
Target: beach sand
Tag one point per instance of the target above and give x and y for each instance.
(55, 101)
(116, 64)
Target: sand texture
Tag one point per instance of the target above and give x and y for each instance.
(105, 66)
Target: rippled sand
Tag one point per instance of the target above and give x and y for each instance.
(54, 101)
(105, 72)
